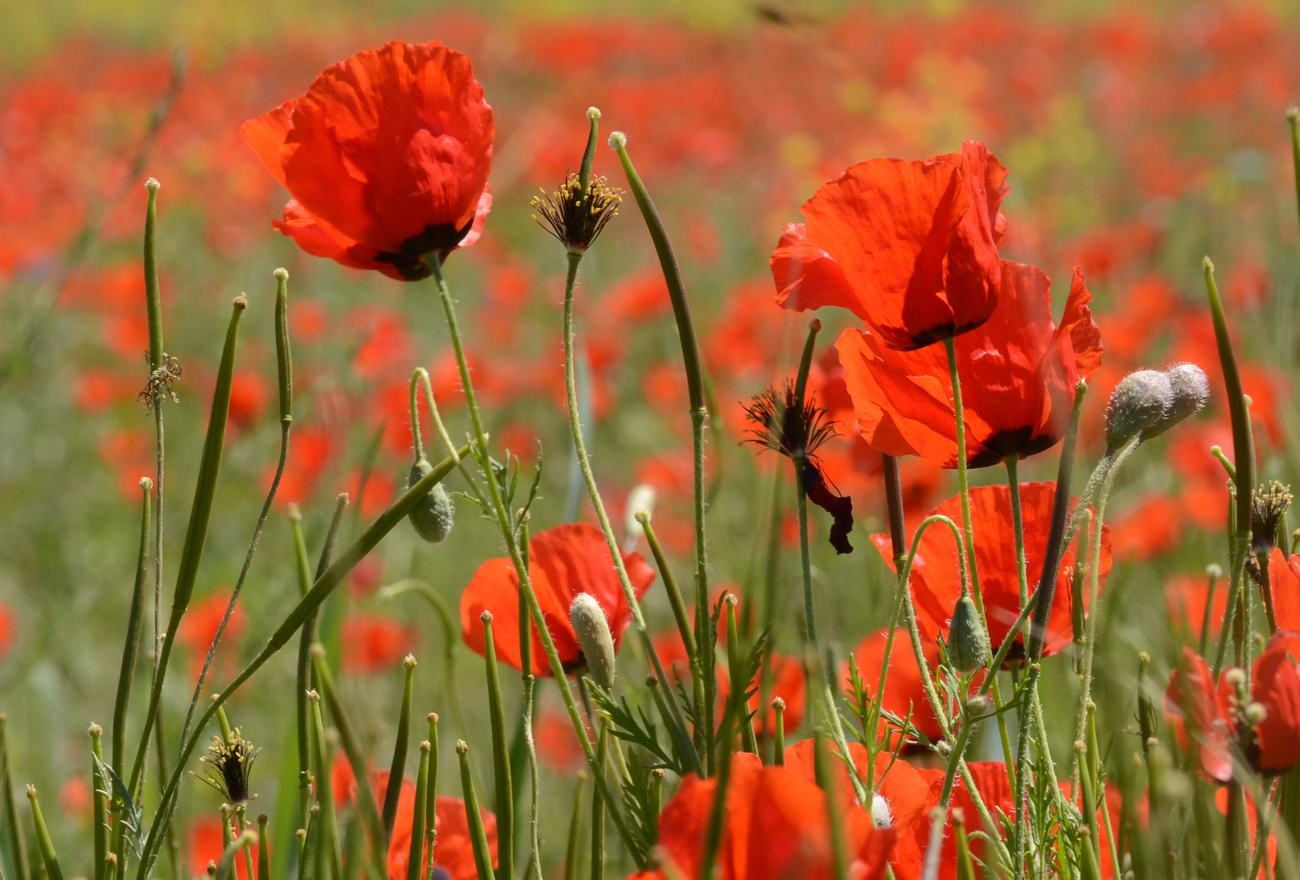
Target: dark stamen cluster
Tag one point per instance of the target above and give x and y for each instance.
(576, 216)
(1269, 504)
(228, 765)
(778, 421)
(162, 381)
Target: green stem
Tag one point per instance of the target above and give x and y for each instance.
(477, 835)
(692, 365)
(263, 849)
(505, 796)
(598, 813)
(197, 532)
(43, 841)
(675, 717)
(516, 555)
(17, 843)
(98, 784)
(415, 855)
(324, 585)
(397, 767)
(134, 623)
(429, 830)
(1293, 122)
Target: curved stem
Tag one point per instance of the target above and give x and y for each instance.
(682, 736)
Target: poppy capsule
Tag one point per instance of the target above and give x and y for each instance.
(386, 156)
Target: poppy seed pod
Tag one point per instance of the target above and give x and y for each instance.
(1140, 401)
(434, 516)
(592, 628)
(1191, 391)
(968, 645)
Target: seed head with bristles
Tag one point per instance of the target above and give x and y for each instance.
(1269, 504)
(228, 765)
(576, 216)
(778, 421)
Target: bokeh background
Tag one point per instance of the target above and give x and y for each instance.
(1138, 139)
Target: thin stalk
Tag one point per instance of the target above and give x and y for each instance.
(43, 840)
(826, 779)
(397, 767)
(575, 828)
(99, 784)
(477, 835)
(134, 623)
(598, 812)
(505, 795)
(321, 589)
(197, 531)
(1293, 122)
(520, 565)
(415, 855)
(429, 832)
(699, 412)
(325, 824)
(17, 843)
(675, 717)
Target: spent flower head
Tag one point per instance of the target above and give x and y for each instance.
(778, 420)
(1269, 504)
(228, 765)
(574, 215)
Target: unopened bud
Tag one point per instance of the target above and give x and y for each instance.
(1191, 391)
(592, 628)
(1141, 400)
(1255, 713)
(1214, 570)
(978, 705)
(968, 643)
(434, 516)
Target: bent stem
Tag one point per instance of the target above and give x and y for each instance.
(513, 549)
(681, 734)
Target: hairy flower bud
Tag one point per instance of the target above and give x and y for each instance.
(1191, 391)
(592, 628)
(434, 516)
(968, 642)
(1140, 401)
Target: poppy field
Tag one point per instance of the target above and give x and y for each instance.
(747, 442)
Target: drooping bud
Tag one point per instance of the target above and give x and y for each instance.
(1269, 504)
(592, 628)
(968, 642)
(434, 516)
(1141, 400)
(1191, 391)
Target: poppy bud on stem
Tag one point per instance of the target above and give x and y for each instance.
(43, 840)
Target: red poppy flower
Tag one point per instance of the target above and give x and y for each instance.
(936, 582)
(454, 850)
(1203, 711)
(1018, 374)
(908, 247)
(386, 156)
(374, 643)
(1198, 709)
(775, 828)
(562, 562)
(1284, 582)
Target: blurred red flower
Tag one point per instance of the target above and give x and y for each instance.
(387, 157)
(374, 643)
(775, 828)
(936, 582)
(904, 696)
(1018, 372)
(908, 247)
(563, 562)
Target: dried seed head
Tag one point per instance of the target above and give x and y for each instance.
(574, 216)
(1268, 504)
(779, 422)
(1141, 400)
(968, 642)
(592, 628)
(435, 515)
(229, 763)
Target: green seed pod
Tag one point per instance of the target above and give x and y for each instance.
(968, 643)
(436, 514)
(592, 628)
(1140, 401)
